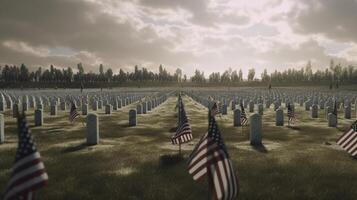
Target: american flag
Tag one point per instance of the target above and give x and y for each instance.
(243, 116)
(291, 114)
(214, 110)
(73, 112)
(348, 141)
(183, 132)
(210, 157)
(28, 172)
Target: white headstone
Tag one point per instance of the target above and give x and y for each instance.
(279, 117)
(255, 121)
(332, 120)
(84, 108)
(314, 111)
(53, 110)
(132, 117)
(2, 129)
(236, 118)
(92, 129)
(108, 109)
(38, 117)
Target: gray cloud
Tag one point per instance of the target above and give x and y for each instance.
(334, 19)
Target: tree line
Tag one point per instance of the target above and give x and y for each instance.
(22, 74)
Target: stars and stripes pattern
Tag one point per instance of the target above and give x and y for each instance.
(210, 157)
(348, 141)
(184, 132)
(291, 114)
(214, 110)
(73, 114)
(243, 116)
(28, 172)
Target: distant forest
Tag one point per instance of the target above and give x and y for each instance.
(21, 76)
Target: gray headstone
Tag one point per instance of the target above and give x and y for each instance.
(92, 129)
(260, 109)
(95, 105)
(224, 109)
(251, 106)
(15, 110)
(255, 121)
(236, 118)
(149, 105)
(2, 106)
(144, 107)
(38, 117)
(132, 117)
(139, 109)
(25, 106)
(63, 105)
(314, 111)
(39, 106)
(279, 117)
(53, 109)
(2, 129)
(100, 104)
(347, 112)
(108, 109)
(307, 105)
(84, 108)
(332, 120)
(115, 105)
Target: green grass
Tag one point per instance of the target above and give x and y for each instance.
(125, 165)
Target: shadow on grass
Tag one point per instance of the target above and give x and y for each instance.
(170, 160)
(260, 148)
(173, 129)
(294, 128)
(75, 148)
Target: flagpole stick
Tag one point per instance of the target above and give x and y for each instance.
(179, 148)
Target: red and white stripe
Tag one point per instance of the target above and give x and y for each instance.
(28, 175)
(209, 159)
(348, 141)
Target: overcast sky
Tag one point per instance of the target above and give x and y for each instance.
(190, 34)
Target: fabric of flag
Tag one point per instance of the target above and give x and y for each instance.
(73, 112)
(214, 110)
(243, 116)
(28, 172)
(291, 114)
(348, 141)
(210, 158)
(184, 131)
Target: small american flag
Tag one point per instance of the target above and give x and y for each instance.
(243, 116)
(291, 114)
(210, 157)
(28, 172)
(214, 110)
(348, 141)
(73, 114)
(184, 131)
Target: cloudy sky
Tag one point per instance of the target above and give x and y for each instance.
(191, 34)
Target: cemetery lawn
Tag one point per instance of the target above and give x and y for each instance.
(295, 163)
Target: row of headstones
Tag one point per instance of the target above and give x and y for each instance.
(93, 123)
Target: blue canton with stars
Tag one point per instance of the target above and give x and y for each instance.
(26, 143)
